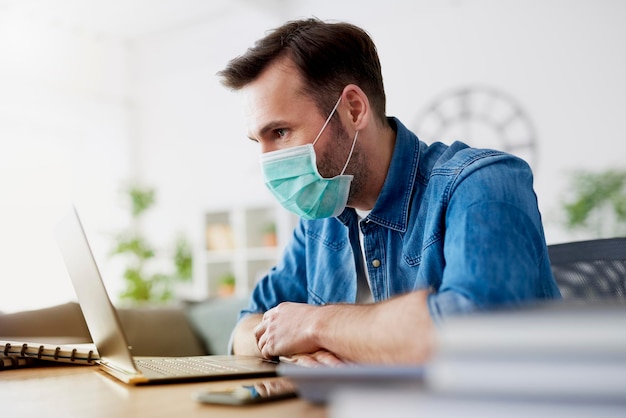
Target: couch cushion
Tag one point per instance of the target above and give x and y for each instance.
(151, 331)
(160, 331)
(64, 320)
(214, 320)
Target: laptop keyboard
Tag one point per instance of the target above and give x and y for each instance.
(183, 366)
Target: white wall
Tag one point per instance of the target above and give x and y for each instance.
(189, 133)
(152, 106)
(64, 136)
(562, 60)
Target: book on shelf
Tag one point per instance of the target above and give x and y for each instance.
(14, 354)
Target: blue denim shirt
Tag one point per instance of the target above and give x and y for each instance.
(461, 222)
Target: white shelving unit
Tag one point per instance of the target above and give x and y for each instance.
(243, 244)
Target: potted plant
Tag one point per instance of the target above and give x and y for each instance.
(142, 283)
(596, 203)
(269, 235)
(226, 285)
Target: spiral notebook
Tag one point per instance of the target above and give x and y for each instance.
(14, 354)
(76, 354)
(108, 336)
(13, 361)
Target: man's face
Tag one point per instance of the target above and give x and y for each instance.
(279, 116)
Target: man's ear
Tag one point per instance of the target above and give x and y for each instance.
(357, 106)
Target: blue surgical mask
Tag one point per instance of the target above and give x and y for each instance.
(291, 175)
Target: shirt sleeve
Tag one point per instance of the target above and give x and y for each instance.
(449, 303)
(284, 282)
(494, 246)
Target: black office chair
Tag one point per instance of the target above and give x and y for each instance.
(590, 270)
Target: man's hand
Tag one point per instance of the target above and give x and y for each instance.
(244, 342)
(319, 358)
(396, 331)
(286, 330)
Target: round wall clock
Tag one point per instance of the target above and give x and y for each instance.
(482, 117)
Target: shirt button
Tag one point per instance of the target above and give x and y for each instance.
(376, 263)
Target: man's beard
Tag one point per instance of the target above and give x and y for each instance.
(334, 159)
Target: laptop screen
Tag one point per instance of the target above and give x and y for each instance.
(100, 314)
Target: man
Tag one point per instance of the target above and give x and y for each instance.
(395, 235)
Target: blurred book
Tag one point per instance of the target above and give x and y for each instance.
(576, 328)
(552, 351)
(409, 403)
(319, 384)
(545, 361)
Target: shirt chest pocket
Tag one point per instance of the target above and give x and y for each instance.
(423, 260)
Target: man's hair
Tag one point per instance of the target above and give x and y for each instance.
(329, 56)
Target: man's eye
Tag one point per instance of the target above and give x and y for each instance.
(281, 132)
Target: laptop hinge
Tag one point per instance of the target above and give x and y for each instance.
(132, 377)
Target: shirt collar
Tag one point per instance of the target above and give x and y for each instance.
(392, 206)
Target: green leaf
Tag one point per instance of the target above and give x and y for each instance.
(135, 245)
(593, 195)
(183, 260)
(137, 288)
(141, 199)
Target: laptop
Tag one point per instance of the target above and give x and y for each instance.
(108, 336)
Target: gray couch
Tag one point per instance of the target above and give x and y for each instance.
(185, 329)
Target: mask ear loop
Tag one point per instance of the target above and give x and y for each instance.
(327, 120)
(350, 155)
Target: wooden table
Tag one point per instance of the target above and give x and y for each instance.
(83, 391)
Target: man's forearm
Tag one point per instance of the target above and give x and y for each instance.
(398, 330)
(244, 342)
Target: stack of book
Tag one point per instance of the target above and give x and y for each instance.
(554, 351)
(559, 359)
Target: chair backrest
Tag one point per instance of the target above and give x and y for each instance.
(590, 270)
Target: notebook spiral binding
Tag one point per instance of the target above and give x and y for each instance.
(50, 352)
